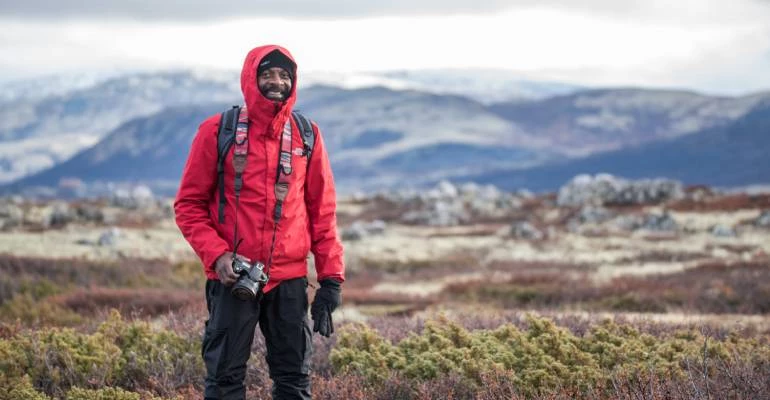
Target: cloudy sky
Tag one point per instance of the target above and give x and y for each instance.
(714, 46)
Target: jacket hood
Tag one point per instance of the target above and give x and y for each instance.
(266, 117)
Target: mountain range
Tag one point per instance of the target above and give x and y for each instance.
(138, 128)
(74, 112)
(734, 154)
(36, 133)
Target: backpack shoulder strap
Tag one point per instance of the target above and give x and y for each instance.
(225, 138)
(307, 133)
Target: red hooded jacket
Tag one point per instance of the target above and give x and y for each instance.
(308, 221)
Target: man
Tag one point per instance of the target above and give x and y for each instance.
(306, 222)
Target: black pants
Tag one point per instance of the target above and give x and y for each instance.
(282, 317)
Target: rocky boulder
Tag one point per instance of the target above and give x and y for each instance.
(439, 213)
(723, 231)
(525, 230)
(593, 215)
(605, 189)
(359, 230)
(652, 222)
(109, 237)
(763, 220)
(11, 215)
(136, 197)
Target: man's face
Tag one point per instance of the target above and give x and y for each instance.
(274, 83)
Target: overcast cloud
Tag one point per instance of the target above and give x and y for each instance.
(709, 45)
(210, 10)
(689, 10)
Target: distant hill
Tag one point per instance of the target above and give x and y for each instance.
(733, 154)
(599, 120)
(36, 133)
(73, 112)
(148, 149)
(376, 137)
(137, 128)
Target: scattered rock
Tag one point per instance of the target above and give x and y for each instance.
(723, 231)
(109, 238)
(447, 190)
(699, 193)
(376, 227)
(652, 222)
(448, 204)
(593, 215)
(659, 222)
(139, 196)
(359, 230)
(167, 210)
(524, 194)
(55, 214)
(763, 220)
(354, 232)
(525, 230)
(89, 213)
(60, 214)
(11, 216)
(439, 213)
(605, 189)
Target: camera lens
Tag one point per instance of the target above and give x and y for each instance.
(243, 293)
(245, 288)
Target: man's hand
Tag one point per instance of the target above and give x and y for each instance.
(327, 299)
(224, 268)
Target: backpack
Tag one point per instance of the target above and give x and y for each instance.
(228, 123)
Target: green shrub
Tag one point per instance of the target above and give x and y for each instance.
(60, 358)
(21, 388)
(159, 356)
(32, 311)
(105, 394)
(101, 394)
(540, 360)
(119, 353)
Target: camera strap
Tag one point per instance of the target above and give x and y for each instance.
(239, 164)
(283, 173)
(281, 184)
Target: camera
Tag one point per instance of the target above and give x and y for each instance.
(251, 280)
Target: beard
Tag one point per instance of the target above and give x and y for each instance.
(275, 93)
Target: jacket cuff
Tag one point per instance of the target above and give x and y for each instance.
(209, 258)
(337, 277)
(331, 282)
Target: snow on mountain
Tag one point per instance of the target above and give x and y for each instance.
(45, 86)
(45, 121)
(483, 85)
(353, 116)
(589, 121)
(734, 154)
(37, 133)
(381, 127)
(388, 135)
(380, 135)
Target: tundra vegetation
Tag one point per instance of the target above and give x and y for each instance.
(460, 292)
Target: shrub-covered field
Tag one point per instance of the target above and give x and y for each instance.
(524, 356)
(739, 287)
(73, 329)
(585, 310)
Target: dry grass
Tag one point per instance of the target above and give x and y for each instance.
(731, 202)
(137, 302)
(474, 273)
(742, 288)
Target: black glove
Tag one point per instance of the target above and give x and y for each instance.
(327, 299)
